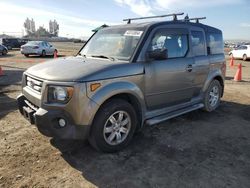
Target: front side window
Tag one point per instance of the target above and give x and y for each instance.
(198, 43)
(176, 44)
(118, 43)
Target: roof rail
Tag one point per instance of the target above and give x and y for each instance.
(197, 20)
(149, 17)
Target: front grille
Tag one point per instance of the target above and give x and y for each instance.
(34, 84)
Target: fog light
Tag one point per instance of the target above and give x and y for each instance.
(62, 122)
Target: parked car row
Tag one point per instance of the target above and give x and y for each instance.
(27, 48)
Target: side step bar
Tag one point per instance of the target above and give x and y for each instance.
(164, 117)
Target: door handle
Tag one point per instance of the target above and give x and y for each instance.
(189, 68)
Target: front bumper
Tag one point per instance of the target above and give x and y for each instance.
(47, 121)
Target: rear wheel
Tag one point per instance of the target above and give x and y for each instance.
(212, 96)
(26, 55)
(244, 57)
(113, 126)
(55, 52)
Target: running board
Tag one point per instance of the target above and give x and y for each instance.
(164, 117)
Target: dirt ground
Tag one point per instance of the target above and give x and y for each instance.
(194, 150)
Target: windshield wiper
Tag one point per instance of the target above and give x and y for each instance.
(105, 57)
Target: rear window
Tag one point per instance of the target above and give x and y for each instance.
(33, 43)
(215, 43)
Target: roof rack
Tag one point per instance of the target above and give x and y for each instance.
(197, 20)
(149, 17)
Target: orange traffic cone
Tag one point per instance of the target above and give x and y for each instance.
(55, 54)
(238, 75)
(231, 62)
(1, 71)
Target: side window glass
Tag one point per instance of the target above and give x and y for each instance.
(198, 43)
(176, 44)
(215, 43)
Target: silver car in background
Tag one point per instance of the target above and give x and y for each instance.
(41, 48)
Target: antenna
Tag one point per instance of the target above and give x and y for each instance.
(197, 20)
(150, 17)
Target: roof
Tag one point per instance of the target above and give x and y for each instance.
(178, 22)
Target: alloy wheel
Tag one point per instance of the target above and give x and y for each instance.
(117, 128)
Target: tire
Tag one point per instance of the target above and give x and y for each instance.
(43, 53)
(4, 52)
(244, 57)
(212, 96)
(109, 118)
(26, 55)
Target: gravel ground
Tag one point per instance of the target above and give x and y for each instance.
(198, 149)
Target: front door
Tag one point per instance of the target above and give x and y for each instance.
(169, 82)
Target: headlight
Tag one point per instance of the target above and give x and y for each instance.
(59, 94)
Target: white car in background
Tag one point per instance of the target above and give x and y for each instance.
(242, 52)
(41, 48)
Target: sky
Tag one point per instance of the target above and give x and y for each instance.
(78, 17)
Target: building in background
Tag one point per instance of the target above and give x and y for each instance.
(53, 28)
(30, 26)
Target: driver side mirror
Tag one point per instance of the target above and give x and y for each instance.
(158, 54)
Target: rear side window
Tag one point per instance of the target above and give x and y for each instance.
(176, 44)
(198, 43)
(215, 43)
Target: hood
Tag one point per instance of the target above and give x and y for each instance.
(83, 69)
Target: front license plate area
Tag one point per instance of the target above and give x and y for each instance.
(28, 113)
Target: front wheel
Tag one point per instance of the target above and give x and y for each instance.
(113, 126)
(4, 52)
(212, 96)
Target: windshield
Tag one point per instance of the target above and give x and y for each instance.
(118, 43)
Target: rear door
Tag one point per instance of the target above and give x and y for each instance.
(201, 60)
(169, 82)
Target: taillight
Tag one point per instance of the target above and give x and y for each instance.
(35, 47)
